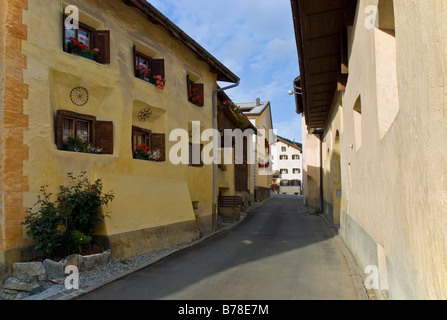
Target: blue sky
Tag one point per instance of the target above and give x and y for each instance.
(255, 40)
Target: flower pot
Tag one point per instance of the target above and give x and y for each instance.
(68, 147)
(85, 55)
(140, 157)
(80, 53)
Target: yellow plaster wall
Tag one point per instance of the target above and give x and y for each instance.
(395, 181)
(144, 190)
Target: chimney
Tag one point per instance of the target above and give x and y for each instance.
(258, 102)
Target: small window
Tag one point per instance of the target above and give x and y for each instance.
(296, 157)
(195, 92)
(296, 171)
(140, 137)
(295, 183)
(284, 171)
(85, 128)
(153, 141)
(283, 149)
(87, 42)
(149, 69)
(195, 161)
(283, 157)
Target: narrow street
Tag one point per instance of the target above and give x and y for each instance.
(277, 252)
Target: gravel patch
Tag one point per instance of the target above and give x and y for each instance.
(115, 269)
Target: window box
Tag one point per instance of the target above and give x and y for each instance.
(83, 133)
(81, 53)
(68, 147)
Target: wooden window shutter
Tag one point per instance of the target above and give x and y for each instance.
(64, 30)
(59, 129)
(200, 87)
(158, 142)
(188, 85)
(201, 155)
(102, 42)
(158, 68)
(104, 136)
(135, 60)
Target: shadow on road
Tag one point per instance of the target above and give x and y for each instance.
(276, 252)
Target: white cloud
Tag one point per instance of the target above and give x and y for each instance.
(252, 38)
(289, 129)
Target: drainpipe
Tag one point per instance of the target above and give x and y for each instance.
(215, 151)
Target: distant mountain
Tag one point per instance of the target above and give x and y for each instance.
(292, 142)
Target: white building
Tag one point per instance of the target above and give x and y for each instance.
(287, 167)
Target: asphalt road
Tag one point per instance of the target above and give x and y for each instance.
(276, 253)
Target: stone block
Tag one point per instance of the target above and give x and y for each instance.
(29, 271)
(53, 269)
(94, 260)
(73, 260)
(16, 284)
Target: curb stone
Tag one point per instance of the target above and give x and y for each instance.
(357, 275)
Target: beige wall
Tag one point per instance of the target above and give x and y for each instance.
(311, 169)
(393, 154)
(264, 122)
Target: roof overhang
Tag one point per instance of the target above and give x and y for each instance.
(156, 17)
(289, 144)
(320, 32)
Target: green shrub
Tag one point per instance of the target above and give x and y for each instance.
(68, 223)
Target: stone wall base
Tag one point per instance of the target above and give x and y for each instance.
(129, 244)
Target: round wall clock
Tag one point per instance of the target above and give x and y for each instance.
(144, 114)
(79, 96)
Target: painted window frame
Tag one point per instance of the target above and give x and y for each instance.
(100, 133)
(155, 141)
(98, 39)
(156, 67)
(193, 87)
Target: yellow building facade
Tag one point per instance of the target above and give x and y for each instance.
(382, 131)
(48, 93)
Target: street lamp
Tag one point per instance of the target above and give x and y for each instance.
(292, 92)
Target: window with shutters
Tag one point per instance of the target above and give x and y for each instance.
(195, 155)
(195, 92)
(241, 170)
(87, 42)
(296, 157)
(72, 126)
(155, 142)
(149, 69)
(284, 183)
(283, 157)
